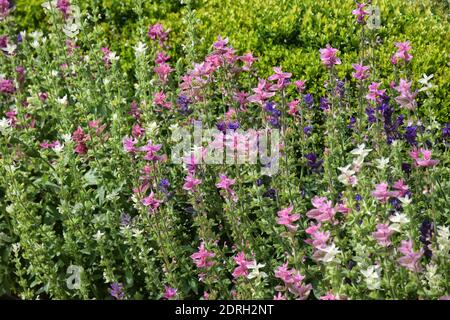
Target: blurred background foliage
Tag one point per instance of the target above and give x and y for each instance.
(284, 33)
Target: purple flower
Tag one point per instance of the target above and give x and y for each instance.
(411, 135)
(406, 167)
(183, 103)
(125, 219)
(307, 130)
(271, 194)
(371, 115)
(352, 122)
(426, 234)
(446, 131)
(313, 162)
(308, 99)
(116, 291)
(324, 104)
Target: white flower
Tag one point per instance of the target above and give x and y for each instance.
(140, 49)
(36, 35)
(10, 48)
(58, 148)
(62, 101)
(443, 239)
(71, 30)
(99, 235)
(398, 219)
(426, 85)
(113, 57)
(382, 163)
(406, 201)
(152, 128)
(358, 162)
(372, 277)
(255, 273)
(361, 151)
(49, 5)
(34, 44)
(4, 125)
(137, 232)
(66, 137)
(331, 253)
(54, 73)
(347, 176)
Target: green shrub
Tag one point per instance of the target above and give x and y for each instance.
(286, 32)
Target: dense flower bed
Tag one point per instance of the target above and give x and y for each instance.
(166, 189)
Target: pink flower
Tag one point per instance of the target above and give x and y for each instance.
(293, 282)
(169, 292)
(162, 57)
(106, 56)
(191, 183)
(401, 189)
(360, 71)
(159, 99)
(375, 93)
(328, 56)
(151, 150)
(410, 259)
(156, 32)
(220, 44)
(137, 131)
(261, 94)
(422, 158)
(402, 53)
(7, 86)
(4, 8)
(319, 239)
(129, 144)
(324, 210)
(242, 269)
(284, 273)
(360, 13)
(64, 7)
(279, 296)
(50, 145)
(201, 258)
(383, 234)
(151, 202)
(80, 139)
(285, 218)
(163, 70)
(280, 77)
(293, 106)
(406, 98)
(241, 98)
(300, 85)
(248, 60)
(225, 183)
(381, 192)
(329, 296)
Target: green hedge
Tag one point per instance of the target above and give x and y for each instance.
(284, 32)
